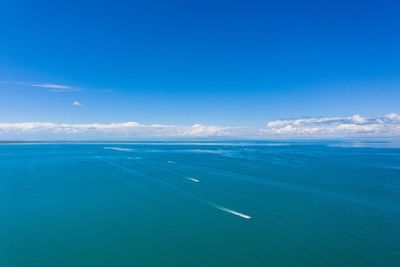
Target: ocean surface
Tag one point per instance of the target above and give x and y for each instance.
(200, 204)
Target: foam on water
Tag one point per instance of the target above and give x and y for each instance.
(193, 179)
(135, 158)
(171, 162)
(119, 149)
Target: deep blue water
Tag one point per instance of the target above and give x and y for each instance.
(200, 204)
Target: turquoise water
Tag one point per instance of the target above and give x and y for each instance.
(200, 204)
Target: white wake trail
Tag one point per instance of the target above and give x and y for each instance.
(193, 179)
(222, 208)
(234, 212)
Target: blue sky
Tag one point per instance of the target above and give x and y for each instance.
(229, 63)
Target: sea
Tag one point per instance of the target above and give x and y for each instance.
(230, 203)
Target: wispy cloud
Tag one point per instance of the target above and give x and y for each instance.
(52, 87)
(57, 88)
(352, 126)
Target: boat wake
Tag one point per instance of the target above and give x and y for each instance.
(193, 179)
(234, 212)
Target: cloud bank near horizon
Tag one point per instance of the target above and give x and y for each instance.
(387, 125)
(326, 127)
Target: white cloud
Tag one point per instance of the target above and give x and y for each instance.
(393, 117)
(57, 88)
(76, 104)
(112, 130)
(352, 126)
(357, 119)
(388, 125)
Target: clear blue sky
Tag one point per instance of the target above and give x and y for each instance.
(185, 62)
